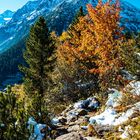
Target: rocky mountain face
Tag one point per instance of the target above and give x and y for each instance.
(59, 14)
(5, 17)
(130, 17)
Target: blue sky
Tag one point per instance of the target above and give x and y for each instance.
(16, 4)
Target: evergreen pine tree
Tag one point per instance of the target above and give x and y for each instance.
(7, 119)
(12, 117)
(40, 62)
(138, 41)
(79, 14)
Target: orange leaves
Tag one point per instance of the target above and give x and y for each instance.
(95, 41)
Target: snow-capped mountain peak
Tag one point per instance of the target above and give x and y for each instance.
(5, 17)
(59, 14)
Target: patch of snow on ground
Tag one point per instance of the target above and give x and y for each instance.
(125, 116)
(135, 85)
(113, 99)
(55, 121)
(125, 134)
(110, 116)
(105, 118)
(35, 129)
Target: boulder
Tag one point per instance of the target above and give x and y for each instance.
(92, 138)
(81, 104)
(55, 121)
(74, 128)
(60, 131)
(71, 136)
(71, 118)
(91, 103)
(82, 120)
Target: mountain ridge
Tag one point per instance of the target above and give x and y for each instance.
(5, 17)
(59, 14)
(51, 10)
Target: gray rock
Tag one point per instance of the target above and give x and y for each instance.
(74, 128)
(71, 136)
(92, 138)
(81, 120)
(81, 104)
(93, 103)
(55, 121)
(70, 107)
(71, 118)
(90, 103)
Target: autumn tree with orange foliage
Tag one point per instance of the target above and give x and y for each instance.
(96, 44)
(71, 70)
(103, 40)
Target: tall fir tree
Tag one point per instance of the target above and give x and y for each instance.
(79, 14)
(75, 20)
(40, 60)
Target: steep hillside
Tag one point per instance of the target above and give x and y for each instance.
(59, 14)
(83, 84)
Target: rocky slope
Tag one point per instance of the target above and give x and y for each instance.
(59, 14)
(89, 120)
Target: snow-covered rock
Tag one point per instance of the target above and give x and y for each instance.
(35, 129)
(113, 98)
(80, 108)
(90, 103)
(125, 116)
(71, 136)
(82, 114)
(110, 116)
(55, 121)
(105, 118)
(135, 87)
(81, 104)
